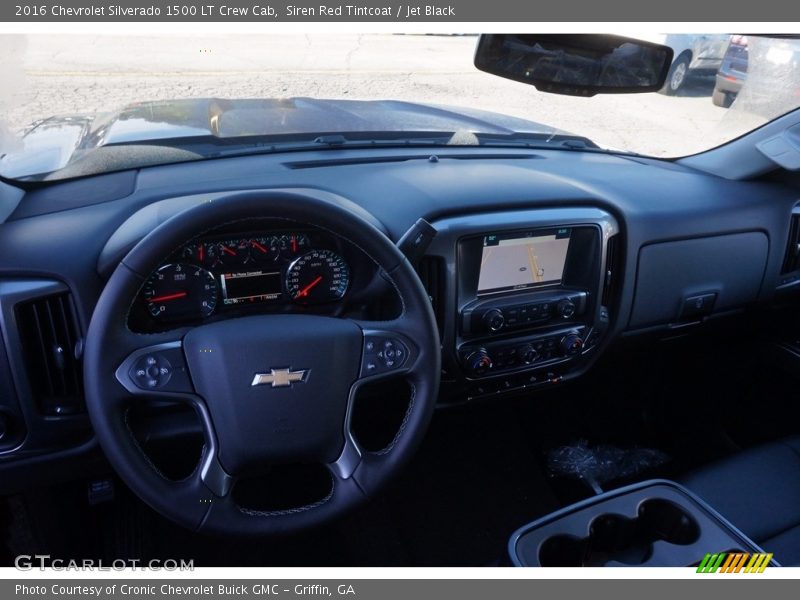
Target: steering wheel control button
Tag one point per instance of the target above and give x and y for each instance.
(151, 371)
(383, 354)
(160, 368)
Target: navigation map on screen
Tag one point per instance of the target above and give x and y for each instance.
(518, 262)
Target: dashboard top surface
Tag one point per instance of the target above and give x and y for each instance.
(652, 200)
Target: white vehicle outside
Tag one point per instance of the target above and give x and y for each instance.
(693, 55)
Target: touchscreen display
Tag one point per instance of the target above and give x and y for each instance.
(514, 261)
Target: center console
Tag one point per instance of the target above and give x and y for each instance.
(654, 523)
(527, 297)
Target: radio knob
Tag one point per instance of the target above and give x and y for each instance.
(571, 344)
(479, 362)
(566, 308)
(527, 354)
(494, 319)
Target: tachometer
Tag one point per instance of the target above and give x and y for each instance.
(180, 291)
(317, 276)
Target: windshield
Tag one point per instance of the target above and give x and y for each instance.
(66, 96)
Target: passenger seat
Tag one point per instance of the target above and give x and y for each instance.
(758, 491)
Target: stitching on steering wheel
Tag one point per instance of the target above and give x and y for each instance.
(151, 463)
(289, 511)
(397, 435)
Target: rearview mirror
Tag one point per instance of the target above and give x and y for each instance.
(576, 65)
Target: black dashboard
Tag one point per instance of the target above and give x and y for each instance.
(583, 249)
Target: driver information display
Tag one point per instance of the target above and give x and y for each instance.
(517, 261)
(238, 288)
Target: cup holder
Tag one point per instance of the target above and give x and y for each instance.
(617, 538)
(669, 522)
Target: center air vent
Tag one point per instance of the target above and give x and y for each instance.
(791, 261)
(49, 333)
(431, 273)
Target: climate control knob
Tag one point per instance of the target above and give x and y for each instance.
(571, 344)
(479, 362)
(494, 319)
(566, 308)
(527, 354)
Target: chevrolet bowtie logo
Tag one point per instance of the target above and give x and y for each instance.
(280, 377)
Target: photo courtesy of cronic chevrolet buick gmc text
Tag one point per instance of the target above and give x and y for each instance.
(397, 301)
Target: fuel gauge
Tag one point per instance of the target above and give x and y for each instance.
(194, 253)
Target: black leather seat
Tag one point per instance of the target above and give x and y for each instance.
(759, 492)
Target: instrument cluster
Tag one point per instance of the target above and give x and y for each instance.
(221, 274)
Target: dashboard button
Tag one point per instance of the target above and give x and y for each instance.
(494, 319)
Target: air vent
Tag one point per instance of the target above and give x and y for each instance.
(612, 276)
(49, 332)
(791, 262)
(431, 273)
(434, 157)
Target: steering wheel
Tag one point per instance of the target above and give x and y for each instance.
(268, 389)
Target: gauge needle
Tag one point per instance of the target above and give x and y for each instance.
(294, 244)
(259, 247)
(304, 292)
(167, 297)
(228, 250)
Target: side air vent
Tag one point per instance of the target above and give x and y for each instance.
(431, 273)
(791, 261)
(49, 332)
(612, 276)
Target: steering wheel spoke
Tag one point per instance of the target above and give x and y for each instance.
(350, 457)
(218, 481)
(387, 352)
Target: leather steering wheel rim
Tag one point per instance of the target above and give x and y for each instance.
(203, 501)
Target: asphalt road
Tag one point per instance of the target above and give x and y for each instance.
(57, 75)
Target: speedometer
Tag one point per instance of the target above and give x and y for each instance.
(317, 276)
